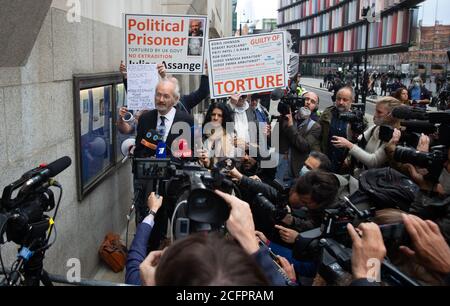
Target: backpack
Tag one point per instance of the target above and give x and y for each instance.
(113, 252)
(387, 188)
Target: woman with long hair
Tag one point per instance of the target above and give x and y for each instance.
(217, 142)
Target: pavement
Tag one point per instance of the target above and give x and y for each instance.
(317, 84)
(104, 273)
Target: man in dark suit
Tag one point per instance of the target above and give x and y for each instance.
(162, 119)
(166, 120)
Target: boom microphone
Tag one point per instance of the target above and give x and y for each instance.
(47, 172)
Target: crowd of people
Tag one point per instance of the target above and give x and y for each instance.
(415, 94)
(320, 161)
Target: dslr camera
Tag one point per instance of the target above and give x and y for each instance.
(277, 210)
(331, 245)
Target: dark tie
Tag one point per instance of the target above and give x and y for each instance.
(162, 126)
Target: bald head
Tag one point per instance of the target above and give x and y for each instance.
(344, 99)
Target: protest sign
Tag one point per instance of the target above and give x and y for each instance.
(178, 42)
(142, 81)
(247, 64)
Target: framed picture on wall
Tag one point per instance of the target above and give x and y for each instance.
(95, 100)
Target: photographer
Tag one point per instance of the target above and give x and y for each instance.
(209, 260)
(428, 249)
(138, 248)
(333, 125)
(300, 135)
(313, 192)
(370, 150)
(434, 200)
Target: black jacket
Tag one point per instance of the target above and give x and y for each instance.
(148, 121)
(188, 102)
(313, 218)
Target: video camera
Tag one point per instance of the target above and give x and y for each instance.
(428, 123)
(22, 217)
(420, 121)
(331, 244)
(290, 102)
(355, 117)
(432, 161)
(191, 188)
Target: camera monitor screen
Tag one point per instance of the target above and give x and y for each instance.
(152, 169)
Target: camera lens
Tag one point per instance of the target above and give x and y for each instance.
(411, 156)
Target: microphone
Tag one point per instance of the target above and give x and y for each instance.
(151, 139)
(277, 94)
(46, 172)
(406, 113)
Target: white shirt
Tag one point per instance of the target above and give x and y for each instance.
(170, 116)
(241, 122)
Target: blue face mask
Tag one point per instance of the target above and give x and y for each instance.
(303, 171)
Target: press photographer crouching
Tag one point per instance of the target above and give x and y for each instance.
(312, 193)
(204, 259)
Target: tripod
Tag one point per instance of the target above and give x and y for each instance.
(30, 265)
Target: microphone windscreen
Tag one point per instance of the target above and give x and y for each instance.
(59, 165)
(277, 94)
(401, 112)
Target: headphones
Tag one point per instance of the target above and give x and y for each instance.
(318, 100)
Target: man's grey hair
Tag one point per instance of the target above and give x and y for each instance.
(176, 90)
(349, 89)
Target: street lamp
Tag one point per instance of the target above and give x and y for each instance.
(368, 13)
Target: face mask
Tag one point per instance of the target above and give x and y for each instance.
(304, 171)
(417, 84)
(378, 121)
(305, 113)
(444, 180)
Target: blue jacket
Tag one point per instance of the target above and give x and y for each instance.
(138, 252)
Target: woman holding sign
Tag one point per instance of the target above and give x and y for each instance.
(217, 143)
